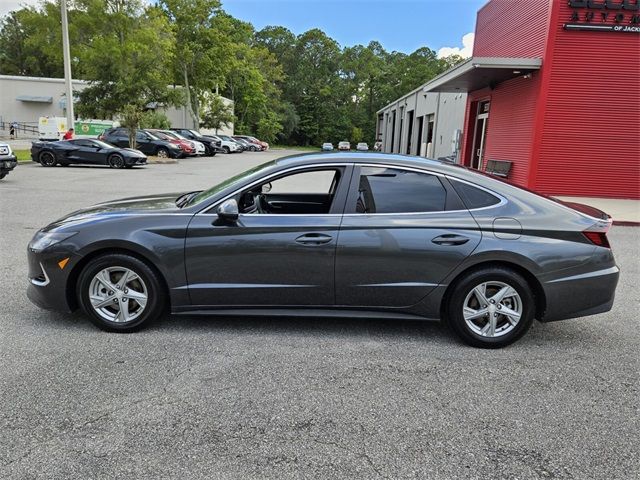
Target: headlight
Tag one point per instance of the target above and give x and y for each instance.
(5, 150)
(42, 240)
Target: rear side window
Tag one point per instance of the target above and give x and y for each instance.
(390, 190)
(474, 197)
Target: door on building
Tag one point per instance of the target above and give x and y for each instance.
(409, 131)
(419, 141)
(479, 136)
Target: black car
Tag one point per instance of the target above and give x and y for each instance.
(146, 142)
(365, 235)
(211, 145)
(8, 160)
(85, 151)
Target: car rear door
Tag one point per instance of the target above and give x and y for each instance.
(266, 258)
(404, 230)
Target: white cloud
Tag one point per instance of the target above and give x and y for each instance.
(7, 6)
(465, 52)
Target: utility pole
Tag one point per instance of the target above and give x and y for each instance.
(67, 64)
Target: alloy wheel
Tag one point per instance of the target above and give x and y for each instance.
(162, 153)
(47, 159)
(116, 161)
(492, 309)
(118, 294)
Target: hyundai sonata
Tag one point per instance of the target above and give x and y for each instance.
(362, 235)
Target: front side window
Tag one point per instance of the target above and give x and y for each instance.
(391, 190)
(307, 192)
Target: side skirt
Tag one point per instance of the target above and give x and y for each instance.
(299, 312)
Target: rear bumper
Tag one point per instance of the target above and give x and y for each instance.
(581, 295)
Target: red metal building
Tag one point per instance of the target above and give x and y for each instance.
(554, 88)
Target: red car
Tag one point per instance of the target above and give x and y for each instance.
(185, 145)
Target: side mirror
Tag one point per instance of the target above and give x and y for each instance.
(228, 210)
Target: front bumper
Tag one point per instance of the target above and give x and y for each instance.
(8, 163)
(581, 295)
(48, 281)
(136, 161)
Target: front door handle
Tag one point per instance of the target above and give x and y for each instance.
(450, 240)
(313, 239)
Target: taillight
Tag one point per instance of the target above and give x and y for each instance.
(597, 238)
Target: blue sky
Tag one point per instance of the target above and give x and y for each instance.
(402, 25)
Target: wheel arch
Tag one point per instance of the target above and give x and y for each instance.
(72, 280)
(538, 292)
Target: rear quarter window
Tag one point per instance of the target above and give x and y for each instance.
(474, 197)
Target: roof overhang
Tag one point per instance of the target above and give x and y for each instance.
(481, 72)
(35, 99)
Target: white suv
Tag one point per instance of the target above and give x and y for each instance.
(227, 144)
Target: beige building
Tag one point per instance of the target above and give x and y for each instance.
(26, 99)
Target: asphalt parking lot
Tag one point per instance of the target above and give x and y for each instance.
(298, 398)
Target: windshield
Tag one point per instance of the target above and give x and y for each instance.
(102, 144)
(176, 135)
(195, 133)
(227, 183)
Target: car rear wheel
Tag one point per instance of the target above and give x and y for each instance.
(491, 307)
(116, 161)
(47, 159)
(120, 293)
(162, 153)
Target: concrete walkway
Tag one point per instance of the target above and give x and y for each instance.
(622, 211)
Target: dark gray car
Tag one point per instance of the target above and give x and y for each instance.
(366, 235)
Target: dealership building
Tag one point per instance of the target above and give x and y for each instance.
(550, 98)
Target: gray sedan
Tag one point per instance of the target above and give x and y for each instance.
(353, 234)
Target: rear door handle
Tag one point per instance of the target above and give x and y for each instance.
(450, 240)
(314, 239)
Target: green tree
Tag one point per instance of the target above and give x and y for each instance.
(127, 62)
(215, 112)
(202, 49)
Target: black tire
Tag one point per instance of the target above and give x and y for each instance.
(226, 149)
(47, 159)
(213, 154)
(2, 175)
(155, 303)
(463, 292)
(163, 153)
(116, 161)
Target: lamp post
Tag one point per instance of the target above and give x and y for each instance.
(67, 63)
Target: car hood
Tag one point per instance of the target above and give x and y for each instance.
(126, 206)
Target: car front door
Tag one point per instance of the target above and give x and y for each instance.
(281, 249)
(144, 143)
(403, 231)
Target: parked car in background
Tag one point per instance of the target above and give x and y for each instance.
(8, 160)
(344, 146)
(264, 146)
(248, 143)
(355, 234)
(211, 145)
(146, 142)
(198, 147)
(327, 147)
(362, 147)
(228, 144)
(187, 147)
(85, 151)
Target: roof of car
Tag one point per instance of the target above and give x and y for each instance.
(382, 158)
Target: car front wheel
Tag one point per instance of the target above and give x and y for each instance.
(120, 293)
(491, 307)
(162, 153)
(116, 161)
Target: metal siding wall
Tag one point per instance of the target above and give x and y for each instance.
(511, 123)
(590, 142)
(508, 28)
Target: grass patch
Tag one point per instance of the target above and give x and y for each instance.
(23, 155)
(294, 147)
